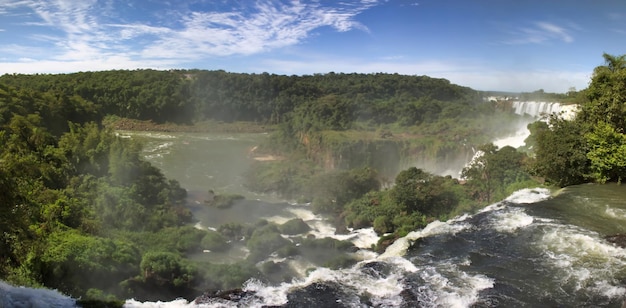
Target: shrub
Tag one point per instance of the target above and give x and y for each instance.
(383, 224)
(293, 227)
(224, 201)
(265, 241)
(214, 241)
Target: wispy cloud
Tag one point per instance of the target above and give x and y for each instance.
(266, 26)
(540, 32)
(81, 31)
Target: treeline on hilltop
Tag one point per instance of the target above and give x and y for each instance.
(185, 96)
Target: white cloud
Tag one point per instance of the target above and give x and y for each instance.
(82, 35)
(554, 31)
(540, 32)
(268, 25)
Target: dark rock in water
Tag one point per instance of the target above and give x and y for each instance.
(617, 239)
(234, 295)
(501, 295)
(409, 299)
(319, 294)
(376, 269)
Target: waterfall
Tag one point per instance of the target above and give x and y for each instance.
(536, 109)
(539, 109)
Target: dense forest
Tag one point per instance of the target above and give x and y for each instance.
(189, 96)
(75, 198)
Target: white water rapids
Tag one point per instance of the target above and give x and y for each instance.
(508, 254)
(505, 255)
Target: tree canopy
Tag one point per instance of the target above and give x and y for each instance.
(592, 146)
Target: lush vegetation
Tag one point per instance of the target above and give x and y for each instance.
(592, 147)
(82, 212)
(67, 192)
(222, 200)
(186, 96)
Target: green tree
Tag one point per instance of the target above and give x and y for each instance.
(607, 94)
(561, 153)
(489, 174)
(418, 191)
(167, 268)
(607, 153)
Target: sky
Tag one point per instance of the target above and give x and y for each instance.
(498, 45)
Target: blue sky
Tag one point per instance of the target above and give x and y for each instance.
(508, 45)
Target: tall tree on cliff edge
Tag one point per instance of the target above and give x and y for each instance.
(607, 94)
(605, 114)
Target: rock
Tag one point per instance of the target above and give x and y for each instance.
(234, 295)
(318, 294)
(376, 269)
(617, 239)
(409, 299)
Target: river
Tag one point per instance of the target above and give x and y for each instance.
(537, 248)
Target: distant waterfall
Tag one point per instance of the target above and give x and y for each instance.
(539, 109)
(536, 109)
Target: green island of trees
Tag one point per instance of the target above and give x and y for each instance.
(82, 212)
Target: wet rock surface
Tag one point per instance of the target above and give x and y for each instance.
(617, 239)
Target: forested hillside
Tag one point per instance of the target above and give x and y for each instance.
(187, 96)
(409, 117)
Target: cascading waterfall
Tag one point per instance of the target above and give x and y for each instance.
(536, 109)
(540, 109)
(11, 296)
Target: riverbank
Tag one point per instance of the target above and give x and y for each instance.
(117, 123)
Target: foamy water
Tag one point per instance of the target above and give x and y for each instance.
(572, 265)
(583, 259)
(511, 220)
(529, 195)
(11, 296)
(400, 246)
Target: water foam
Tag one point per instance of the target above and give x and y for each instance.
(615, 213)
(583, 259)
(453, 288)
(322, 228)
(401, 245)
(511, 220)
(529, 195)
(178, 303)
(382, 291)
(12, 296)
